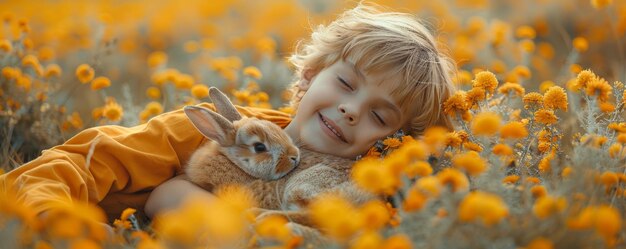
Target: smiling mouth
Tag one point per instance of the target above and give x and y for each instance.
(331, 128)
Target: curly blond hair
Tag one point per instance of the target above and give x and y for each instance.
(390, 42)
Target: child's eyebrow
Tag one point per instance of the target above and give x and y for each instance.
(356, 70)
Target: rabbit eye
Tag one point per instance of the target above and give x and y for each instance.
(259, 147)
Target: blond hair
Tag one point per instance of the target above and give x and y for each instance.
(390, 42)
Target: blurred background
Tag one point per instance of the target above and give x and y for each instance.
(70, 65)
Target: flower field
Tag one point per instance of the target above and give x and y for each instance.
(537, 160)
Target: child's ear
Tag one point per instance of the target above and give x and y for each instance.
(307, 78)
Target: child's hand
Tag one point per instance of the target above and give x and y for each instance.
(171, 194)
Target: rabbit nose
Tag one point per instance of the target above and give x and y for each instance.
(294, 160)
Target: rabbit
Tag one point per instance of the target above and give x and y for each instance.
(287, 194)
(239, 149)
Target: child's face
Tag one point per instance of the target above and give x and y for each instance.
(358, 106)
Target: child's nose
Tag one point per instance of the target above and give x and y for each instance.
(348, 114)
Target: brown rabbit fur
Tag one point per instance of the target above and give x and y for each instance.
(239, 150)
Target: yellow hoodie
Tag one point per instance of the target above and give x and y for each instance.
(125, 164)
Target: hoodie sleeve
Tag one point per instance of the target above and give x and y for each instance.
(113, 160)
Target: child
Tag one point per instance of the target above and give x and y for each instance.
(366, 75)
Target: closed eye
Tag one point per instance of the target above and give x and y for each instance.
(379, 118)
(345, 83)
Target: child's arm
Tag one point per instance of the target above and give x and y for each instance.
(171, 194)
(126, 163)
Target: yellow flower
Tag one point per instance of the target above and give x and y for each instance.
(419, 168)
(184, 81)
(606, 107)
(580, 44)
(615, 150)
(456, 104)
(373, 177)
(621, 137)
(599, 87)
(153, 92)
(453, 139)
(414, 200)
(545, 116)
(584, 78)
(599, 4)
(391, 142)
(502, 150)
(398, 241)
(471, 162)
(200, 91)
(546, 206)
(24, 82)
(30, 61)
(566, 171)
(429, 185)
(540, 243)
(472, 146)
(527, 45)
(154, 108)
(6, 46)
(532, 100)
(514, 130)
(486, 123)
(157, 58)
(486, 207)
(11, 73)
(486, 80)
(522, 71)
(538, 191)
(475, 95)
(609, 178)
(335, 216)
(512, 88)
(375, 215)
(252, 71)
(274, 226)
(113, 111)
(52, 70)
(575, 68)
(84, 73)
(100, 82)
(525, 31)
(605, 219)
(367, 240)
(545, 163)
(456, 179)
(555, 98)
(511, 179)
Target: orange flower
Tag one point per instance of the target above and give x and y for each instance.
(580, 44)
(84, 73)
(471, 162)
(252, 71)
(555, 98)
(486, 80)
(200, 91)
(486, 123)
(513, 130)
(456, 179)
(512, 88)
(546, 206)
(100, 83)
(502, 150)
(456, 104)
(391, 142)
(153, 92)
(545, 116)
(486, 207)
(532, 100)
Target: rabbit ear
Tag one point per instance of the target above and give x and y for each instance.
(223, 105)
(211, 125)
